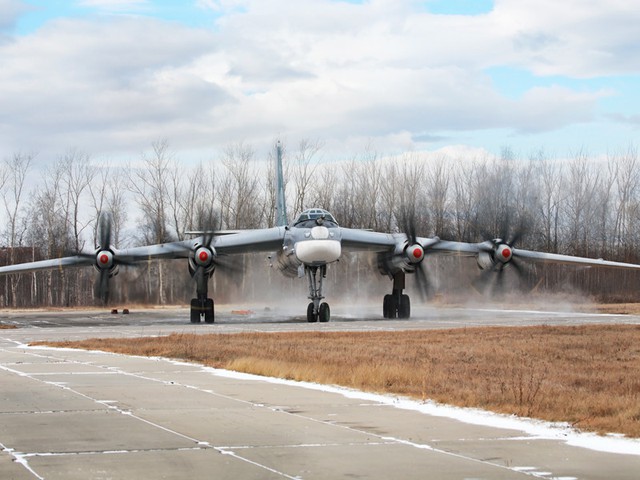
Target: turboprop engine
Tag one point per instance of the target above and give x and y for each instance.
(497, 254)
(105, 262)
(203, 258)
(404, 258)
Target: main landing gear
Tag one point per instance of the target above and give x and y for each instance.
(317, 311)
(202, 306)
(397, 304)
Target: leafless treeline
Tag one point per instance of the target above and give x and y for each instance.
(581, 206)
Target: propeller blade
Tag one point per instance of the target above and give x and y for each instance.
(102, 287)
(484, 283)
(517, 267)
(422, 281)
(517, 235)
(499, 283)
(104, 231)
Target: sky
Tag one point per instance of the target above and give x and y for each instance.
(110, 77)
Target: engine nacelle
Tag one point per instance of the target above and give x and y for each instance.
(484, 260)
(500, 254)
(287, 263)
(404, 258)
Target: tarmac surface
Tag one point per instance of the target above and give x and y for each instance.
(78, 415)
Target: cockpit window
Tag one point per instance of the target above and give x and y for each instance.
(315, 216)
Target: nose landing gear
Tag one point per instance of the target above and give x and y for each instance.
(317, 310)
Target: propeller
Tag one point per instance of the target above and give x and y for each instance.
(414, 254)
(499, 254)
(203, 258)
(104, 258)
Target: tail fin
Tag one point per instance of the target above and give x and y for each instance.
(281, 204)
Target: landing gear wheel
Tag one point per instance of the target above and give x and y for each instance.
(325, 312)
(195, 311)
(385, 306)
(209, 316)
(404, 309)
(389, 306)
(311, 316)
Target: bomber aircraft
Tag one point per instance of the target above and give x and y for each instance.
(305, 248)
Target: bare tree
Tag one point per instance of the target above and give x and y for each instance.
(628, 188)
(150, 185)
(438, 179)
(12, 182)
(49, 229)
(389, 196)
(323, 189)
(464, 204)
(304, 170)
(77, 175)
(413, 206)
(197, 200)
(581, 185)
(368, 185)
(108, 194)
(550, 173)
(240, 189)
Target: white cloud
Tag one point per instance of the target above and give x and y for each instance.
(10, 11)
(316, 68)
(578, 38)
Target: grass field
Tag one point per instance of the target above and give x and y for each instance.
(588, 376)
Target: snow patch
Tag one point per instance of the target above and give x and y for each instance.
(536, 429)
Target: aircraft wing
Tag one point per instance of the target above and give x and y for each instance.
(245, 241)
(57, 263)
(248, 241)
(229, 243)
(125, 256)
(570, 260)
(446, 247)
(470, 249)
(364, 240)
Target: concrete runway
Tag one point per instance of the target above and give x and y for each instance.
(78, 415)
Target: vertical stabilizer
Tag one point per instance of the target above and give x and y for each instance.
(281, 205)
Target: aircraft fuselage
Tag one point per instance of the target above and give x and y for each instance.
(310, 243)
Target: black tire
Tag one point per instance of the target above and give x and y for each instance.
(209, 315)
(311, 317)
(195, 311)
(386, 306)
(404, 309)
(325, 313)
(392, 306)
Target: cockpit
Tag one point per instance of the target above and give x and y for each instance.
(313, 217)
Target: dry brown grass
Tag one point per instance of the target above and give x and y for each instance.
(619, 308)
(6, 327)
(586, 375)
